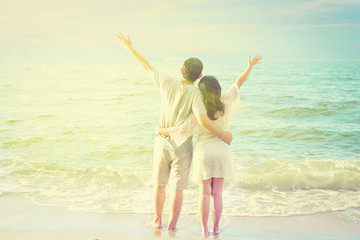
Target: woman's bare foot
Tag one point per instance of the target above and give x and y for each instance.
(205, 233)
(171, 233)
(172, 229)
(155, 224)
(216, 230)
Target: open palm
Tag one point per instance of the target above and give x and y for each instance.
(255, 60)
(125, 41)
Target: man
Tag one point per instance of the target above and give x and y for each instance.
(179, 99)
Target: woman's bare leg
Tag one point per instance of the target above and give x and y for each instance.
(204, 205)
(217, 204)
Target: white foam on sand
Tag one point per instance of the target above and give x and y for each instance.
(22, 219)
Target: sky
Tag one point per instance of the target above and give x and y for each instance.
(85, 29)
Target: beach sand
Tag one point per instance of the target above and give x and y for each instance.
(22, 219)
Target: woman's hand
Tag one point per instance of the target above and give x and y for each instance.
(255, 60)
(161, 131)
(125, 41)
(251, 63)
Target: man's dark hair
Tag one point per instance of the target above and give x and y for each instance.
(192, 69)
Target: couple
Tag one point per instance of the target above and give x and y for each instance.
(186, 110)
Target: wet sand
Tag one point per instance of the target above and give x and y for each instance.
(22, 219)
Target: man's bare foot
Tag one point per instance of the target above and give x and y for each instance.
(154, 224)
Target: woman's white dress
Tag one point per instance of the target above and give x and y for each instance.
(211, 155)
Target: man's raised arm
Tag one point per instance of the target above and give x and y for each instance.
(127, 44)
(208, 125)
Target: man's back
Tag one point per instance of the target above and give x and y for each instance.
(177, 100)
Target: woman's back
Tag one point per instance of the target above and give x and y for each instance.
(231, 101)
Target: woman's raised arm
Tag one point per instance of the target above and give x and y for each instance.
(251, 63)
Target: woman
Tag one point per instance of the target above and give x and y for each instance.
(212, 157)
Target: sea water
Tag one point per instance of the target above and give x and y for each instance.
(80, 135)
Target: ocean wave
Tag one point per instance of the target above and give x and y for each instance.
(300, 112)
(307, 174)
(72, 175)
(268, 188)
(13, 121)
(323, 108)
(292, 133)
(265, 175)
(45, 116)
(22, 142)
(337, 105)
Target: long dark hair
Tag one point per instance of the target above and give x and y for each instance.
(211, 92)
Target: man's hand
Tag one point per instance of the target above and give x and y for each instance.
(228, 137)
(127, 44)
(254, 61)
(205, 122)
(125, 41)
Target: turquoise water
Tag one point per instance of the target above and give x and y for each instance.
(80, 135)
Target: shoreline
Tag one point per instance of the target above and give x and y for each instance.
(22, 219)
